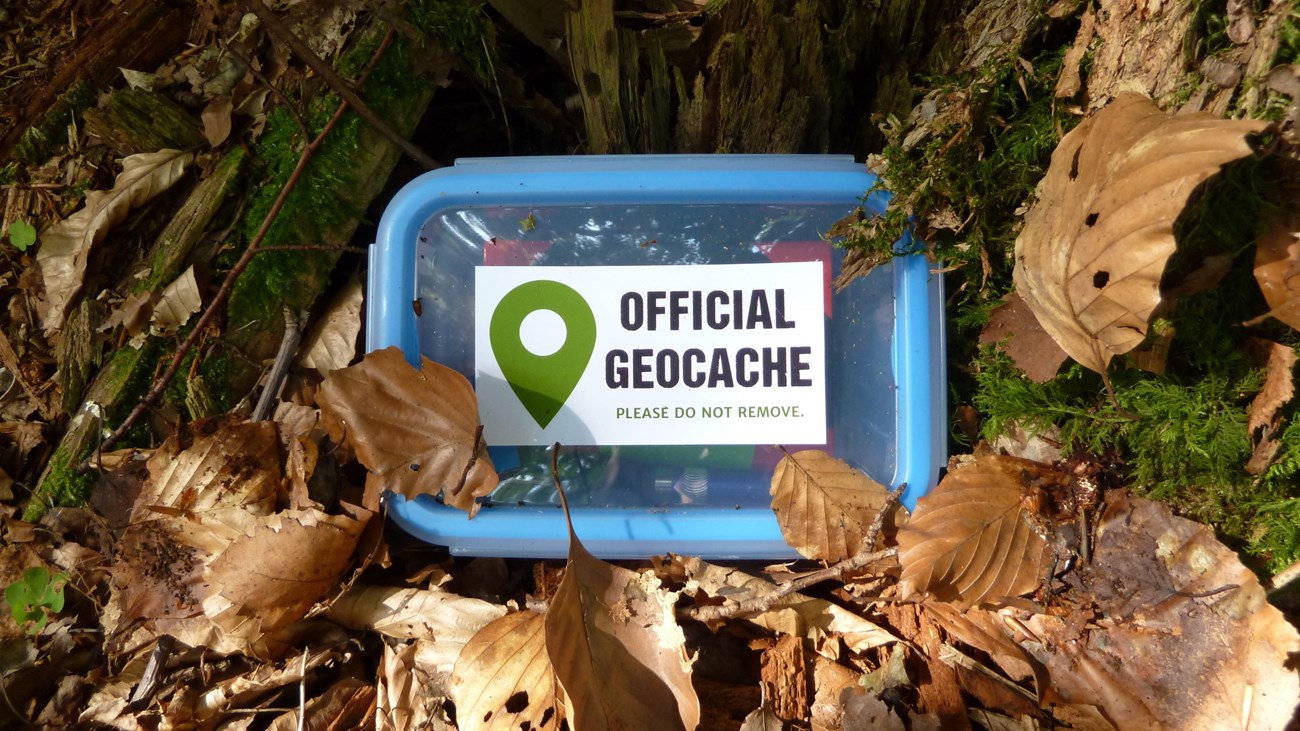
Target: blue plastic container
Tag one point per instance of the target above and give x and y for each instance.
(883, 338)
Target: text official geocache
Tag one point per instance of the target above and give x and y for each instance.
(708, 354)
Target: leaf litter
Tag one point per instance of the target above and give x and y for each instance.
(204, 508)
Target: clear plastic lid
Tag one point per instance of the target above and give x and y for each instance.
(859, 323)
(637, 221)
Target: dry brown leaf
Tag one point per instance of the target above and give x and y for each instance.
(619, 655)
(295, 420)
(830, 681)
(416, 431)
(1027, 343)
(404, 703)
(65, 246)
(986, 631)
(197, 499)
(1277, 268)
(762, 719)
(865, 712)
(133, 314)
(503, 680)
(1192, 642)
(1095, 244)
(179, 301)
(825, 507)
(216, 120)
(971, 539)
(332, 342)
(1279, 387)
(228, 469)
(286, 563)
(406, 613)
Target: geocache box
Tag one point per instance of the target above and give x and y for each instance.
(670, 320)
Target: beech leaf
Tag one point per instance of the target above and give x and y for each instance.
(66, 246)
(1027, 343)
(618, 653)
(971, 539)
(503, 679)
(1095, 244)
(416, 431)
(179, 301)
(1277, 269)
(332, 343)
(825, 507)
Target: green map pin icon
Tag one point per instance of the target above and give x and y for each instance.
(543, 382)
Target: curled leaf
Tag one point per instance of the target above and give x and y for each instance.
(332, 342)
(1277, 269)
(972, 539)
(825, 507)
(179, 301)
(1095, 244)
(416, 431)
(66, 246)
(619, 655)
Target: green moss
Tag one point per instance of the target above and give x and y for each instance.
(9, 173)
(461, 27)
(41, 139)
(64, 485)
(318, 204)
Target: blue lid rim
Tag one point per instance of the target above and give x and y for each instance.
(651, 179)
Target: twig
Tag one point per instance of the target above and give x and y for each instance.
(313, 247)
(302, 691)
(280, 368)
(866, 556)
(281, 31)
(153, 671)
(160, 384)
(878, 525)
(765, 602)
(284, 100)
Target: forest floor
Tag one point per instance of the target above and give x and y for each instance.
(188, 189)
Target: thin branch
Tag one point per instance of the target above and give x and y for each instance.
(314, 247)
(223, 294)
(763, 603)
(280, 368)
(284, 34)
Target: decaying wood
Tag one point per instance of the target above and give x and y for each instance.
(187, 235)
(134, 121)
(132, 34)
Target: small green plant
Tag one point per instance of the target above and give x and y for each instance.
(22, 235)
(36, 597)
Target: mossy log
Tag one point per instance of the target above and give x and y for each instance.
(346, 174)
(135, 120)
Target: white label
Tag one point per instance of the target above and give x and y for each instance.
(654, 355)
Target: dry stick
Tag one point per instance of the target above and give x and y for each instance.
(280, 369)
(282, 32)
(865, 557)
(763, 603)
(228, 285)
